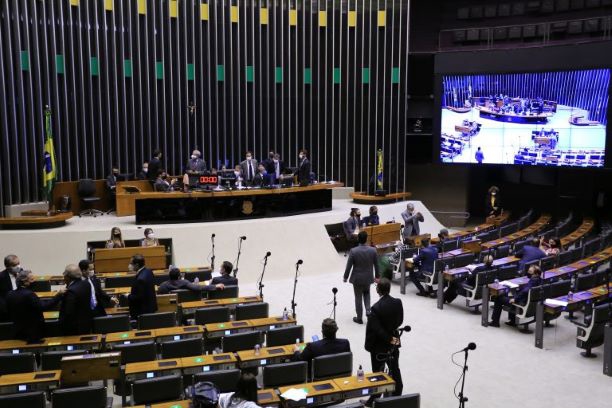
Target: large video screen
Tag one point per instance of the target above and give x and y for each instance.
(537, 118)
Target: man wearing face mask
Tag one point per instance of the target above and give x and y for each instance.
(269, 162)
(351, 225)
(111, 180)
(304, 168)
(76, 314)
(195, 165)
(8, 282)
(142, 293)
(155, 165)
(248, 168)
(262, 178)
(411, 221)
(162, 183)
(100, 300)
(238, 174)
(493, 204)
(144, 173)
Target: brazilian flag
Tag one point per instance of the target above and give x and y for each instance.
(49, 169)
(379, 170)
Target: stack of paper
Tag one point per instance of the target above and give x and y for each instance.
(294, 394)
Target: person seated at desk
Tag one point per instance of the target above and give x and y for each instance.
(328, 345)
(351, 225)
(520, 298)
(76, 312)
(443, 235)
(26, 309)
(372, 218)
(226, 278)
(149, 239)
(245, 395)
(551, 247)
(116, 239)
(456, 286)
(162, 184)
(175, 282)
(411, 222)
(425, 261)
(195, 165)
(493, 203)
(143, 174)
(262, 178)
(142, 297)
(530, 252)
(238, 174)
(100, 300)
(8, 282)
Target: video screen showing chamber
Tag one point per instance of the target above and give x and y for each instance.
(544, 118)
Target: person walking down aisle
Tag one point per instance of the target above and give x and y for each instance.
(362, 260)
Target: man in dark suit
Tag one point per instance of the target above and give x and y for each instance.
(362, 260)
(425, 261)
(328, 345)
(143, 174)
(142, 297)
(268, 163)
(162, 183)
(111, 180)
(248, 168)
(304, 168)
(195, 165)
(175, 282)
(411, 221)
(493, 203)
(8, 282)
(456, 286)
(100, 300)
(226, 277)
(76, 314)
(520, 298)
(155, 165)
(351, 225)
(382, 337)
(530, 252)
(26, 309)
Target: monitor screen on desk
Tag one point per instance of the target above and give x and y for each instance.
(555, 118)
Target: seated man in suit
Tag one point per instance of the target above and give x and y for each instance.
(26, 309)
(520, 298)
(162, 183)
(411, 221)
(328, 345)
(456, 286)
(530, 252)
(143, 173)
(175, 282)
(372, 218)
(226, 277)
(76, 312)
(425, 262)
(142, 297)
(100, 300)
(262, 177)
(111, 180)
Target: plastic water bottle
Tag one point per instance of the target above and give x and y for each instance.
(196, 280)
(570, 296)
(360, 374)
(257, 349)
(394, 220)
(285, 314)
(496, 281)
(446, 268)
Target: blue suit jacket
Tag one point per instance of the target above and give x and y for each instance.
(529, 253)
(426, 258)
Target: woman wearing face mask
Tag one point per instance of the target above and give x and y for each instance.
(149, 239)
(116, 239)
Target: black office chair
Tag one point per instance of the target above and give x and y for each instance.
(402, 401)
(160, 389)
(53, 328)
(591, 334)
(17, 363)
(137, 352)
(252, 311)
(225, 380)
(118, 282)
(76, 397)
(502, 251)
(24, 400)
(212, 315)
(150, 321)
(227, 293)
(181, 348)
(332, 366)
(111, 324)
(40, 286)
(463, 260)
(186, 295)
(51, 360)
(87, 190)
(277, 375)
(241, 341)
(6, 331)
(284, 335)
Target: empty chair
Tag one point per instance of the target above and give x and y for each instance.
(6, 331)
(519, 245)
(592, 247)
(449, 245)
(149, 321)
(40, 286)
(160, 389)
(118, 282)
(53, 328)
(577, 254)
(284, 335)
(591, 280)
(502, 251)
(507, 272)
(51, 360)
(212, 315)
(227, 293)
(186, 295)
(241, 341)
(225, 380)
(508, 229)
(95, 397)
(592, 334)
(402, 401)
(332, 365)
(564, 258)
(548, 262)
(24, 400)
(277, 375)
(463, 260)
(136, 352)
(111, 324)
(251, 311)
(181, 348)
(17, 363)
(87, 193)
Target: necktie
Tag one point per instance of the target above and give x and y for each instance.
(250, 171)
(93, 303)
(277, 170)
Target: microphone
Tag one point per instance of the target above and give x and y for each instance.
(470, 346)
(334, 290)
(212, 236)
(299, 262)
(268, 254)
(406, 329)
(243, 238)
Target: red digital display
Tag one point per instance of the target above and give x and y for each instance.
(209, 180)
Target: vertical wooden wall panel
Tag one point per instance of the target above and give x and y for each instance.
(120, 77)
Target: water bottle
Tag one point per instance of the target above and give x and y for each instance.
(257, 348)
(446, 268)
(394, 220)
(285, 314)
(360, 374)
(570, 296)
(196, 280)
(496, 281)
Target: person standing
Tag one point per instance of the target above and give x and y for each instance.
(248, 168)
(479, 156)
(411, 221)
(304, 168)
(155, 165)
(352, 224)
(100, 300)
(195, 165)
(8, 282)
(382, 336)
(76, 314)
(142, 297)
(493, 203)
(143, 174)
(362, 260)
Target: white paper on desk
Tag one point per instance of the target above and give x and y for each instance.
(555, 302)
(294, 394)
(215, 274)
(471, 267)
(509, 284)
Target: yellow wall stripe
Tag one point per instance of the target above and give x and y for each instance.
(382, 18)
(352, 19)
(173, 8)
(263, 15)
(292, 17)
(322, 18)
(234, 14)
(142, 6)
(204, 11)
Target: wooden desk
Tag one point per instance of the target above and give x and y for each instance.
(238, 326)
(178, 333)
(525, 232)
(28, 382)
(364, 198)
(317, 393)
(171, 404)
(35, 222)
(209, 362)
(91, 367)
(70, 188)
(191, 307)
(129, 337)
(83, 342)
(126, 201)
(151, 369)
(374, 383)
(384, 234)
(268, 398)
(275, 322)
(267, 355)
(117, 259)
(46, 295)
(585, 227)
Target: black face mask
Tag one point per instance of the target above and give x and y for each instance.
(164, 177)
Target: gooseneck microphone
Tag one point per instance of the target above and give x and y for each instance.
(263, 271)
(470, 346)
(334, 290)
(243, 238)
(268, 254)
(213, 235)
(299, 262)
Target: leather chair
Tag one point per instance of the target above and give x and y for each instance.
(212, 315)
(87, 190)
(24, 400)
(227, 293)
(252, 311)
(51, 360)
(181, 348)
(160, 389)
(241, 341)
(111, 324)
(591, 334)
(402, 401)
(332, 366)
(277, 375)
(225, 380)
(76, 397)
(149, 321)
(284, 335)
(17, 363)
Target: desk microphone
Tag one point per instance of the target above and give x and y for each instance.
(470, 346)
(334, 290)
(299, 262)
(243, 238)
(268, 254)
(213, 235)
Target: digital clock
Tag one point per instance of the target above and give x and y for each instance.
(210, 180)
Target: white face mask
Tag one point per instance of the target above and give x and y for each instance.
(237, 173)
(145, 169)
(275, 160)
(151, 235)
(193, 156)
(301, 156)
(130, 268)
(248, 157)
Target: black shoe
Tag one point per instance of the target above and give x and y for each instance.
(423, 294)
(432, 294)
(358, 321)
(366, 403)
(493, 324)
(449, 301)
(510, 323)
